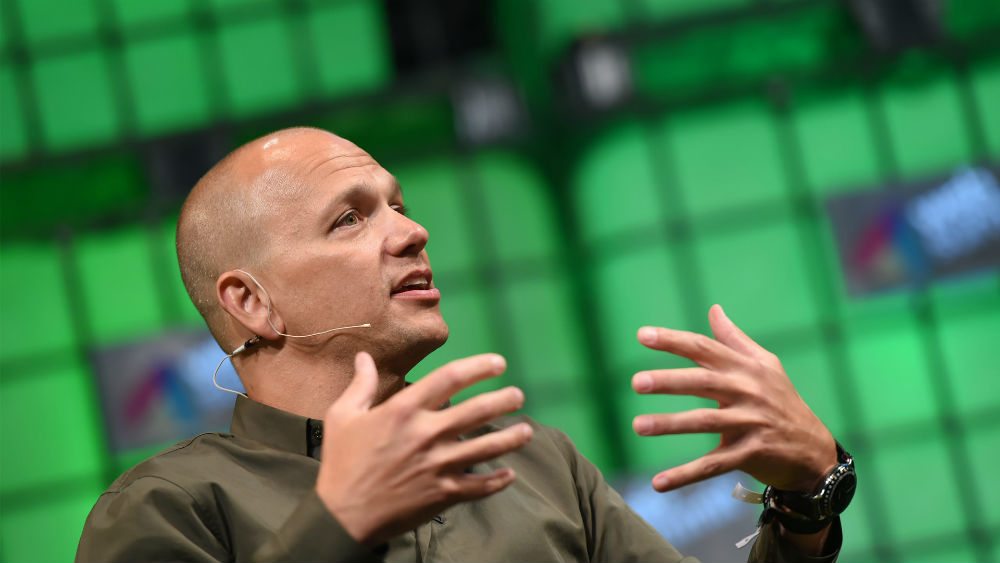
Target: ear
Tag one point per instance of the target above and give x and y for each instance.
(246, 302)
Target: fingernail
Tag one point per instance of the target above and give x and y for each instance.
(526, 430)
(642, 382)
(498, 361)
(660, 482)
(647, 335)
(518, 395)
(642, 425)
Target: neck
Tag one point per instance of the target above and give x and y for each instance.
(306, 386)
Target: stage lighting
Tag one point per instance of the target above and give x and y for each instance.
(596, 75)
(487, 110)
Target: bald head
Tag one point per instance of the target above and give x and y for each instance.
(224, 223)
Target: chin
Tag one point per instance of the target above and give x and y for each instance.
(419, 339)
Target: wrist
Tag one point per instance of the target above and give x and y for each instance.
(353, 521)
(810, 511)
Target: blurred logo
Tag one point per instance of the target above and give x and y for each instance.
(158, 390)
(907, 235)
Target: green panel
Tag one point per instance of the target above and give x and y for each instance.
(635, 289)
(188, 313)
(259, 66)
(907, 512)
(559, 21)
(13, 137)
(758, 276)
(546, 331)
(655, 453)
(618, 162)
(921, 113)
(351, 46)
(66, 445)
(36, 315)
(969, 346)
(574, 415)
(467, 315)
(118, 284)
(76, 100)
(858, 533)
(975, 292)
(944, 552)
(836, 142)
(520, 213)
(986, 88)
(674, 8)
(74, 193)
(971, 17)
(727, 157)
(235, 6)
(810, 371)
(432, 192)
(984, 450)
(132, 13)
(890, 372)
(47, 531)
(167, 83)
(45, 20)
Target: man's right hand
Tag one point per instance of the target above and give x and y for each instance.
(388, 469)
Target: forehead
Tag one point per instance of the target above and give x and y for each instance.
(333, 164)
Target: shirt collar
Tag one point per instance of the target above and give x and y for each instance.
(277, 428)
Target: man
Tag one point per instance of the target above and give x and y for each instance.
(333, 457)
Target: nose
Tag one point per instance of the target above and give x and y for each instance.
(407, 237)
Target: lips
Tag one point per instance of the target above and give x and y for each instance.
(416, 285)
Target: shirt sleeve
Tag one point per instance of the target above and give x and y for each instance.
(616, 533)
(153, 519)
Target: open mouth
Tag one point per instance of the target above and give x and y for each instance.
(419, 284)
(416, 285)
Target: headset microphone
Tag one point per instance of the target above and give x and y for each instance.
(249, 344)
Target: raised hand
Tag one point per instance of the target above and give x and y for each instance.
(766, 429)
(389, 468)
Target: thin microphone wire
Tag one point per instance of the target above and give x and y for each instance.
(275, 329)
(253, 341)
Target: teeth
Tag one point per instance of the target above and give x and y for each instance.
(419, 282)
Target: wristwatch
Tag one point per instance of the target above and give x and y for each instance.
(806, 513)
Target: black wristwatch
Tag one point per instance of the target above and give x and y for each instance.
(805, 513)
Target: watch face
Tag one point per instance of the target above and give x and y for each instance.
(843, 492)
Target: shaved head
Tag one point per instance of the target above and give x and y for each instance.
(225, 221)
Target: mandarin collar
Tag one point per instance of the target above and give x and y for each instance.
(274, 427)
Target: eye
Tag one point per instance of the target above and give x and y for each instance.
(401, 209)
(348, 219)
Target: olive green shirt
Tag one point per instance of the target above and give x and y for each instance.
(249, 496)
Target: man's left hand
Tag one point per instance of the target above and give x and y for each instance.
(766, 429)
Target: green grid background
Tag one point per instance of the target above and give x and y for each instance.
(552, 250)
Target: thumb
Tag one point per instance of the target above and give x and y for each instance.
(726, 332)
(360, 393)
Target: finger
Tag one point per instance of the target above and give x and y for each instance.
(472, 486)
(699, 382)
(697, 421)
(726, 332)
(477, 411)
(435, 389)
(360, 393)
(714, 463)
(458, 455)
(697, 347)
